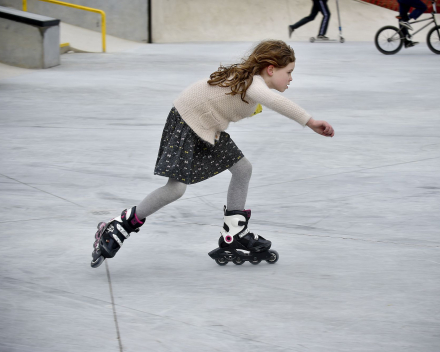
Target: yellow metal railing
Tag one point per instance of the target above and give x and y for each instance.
(79, 7)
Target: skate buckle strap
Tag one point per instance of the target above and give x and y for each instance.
(246, 232)
(241, 235)
(233, 225)
(116, 238)
(122, 230)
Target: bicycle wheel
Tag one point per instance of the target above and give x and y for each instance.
(433, 40)
(388, 40)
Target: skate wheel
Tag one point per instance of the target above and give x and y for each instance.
(255, 261)
(102, 223)
(238, 261)
(342, 40)
(97, 262)
(312, 39)
(221, 261)
(274, 256)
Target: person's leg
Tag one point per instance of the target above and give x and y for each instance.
(162, 196)
(238, 187)
(235, 233)
(110, 236)
(311, 17)
(403, 18)
(403, 10)
(326, 17)
(419, 9)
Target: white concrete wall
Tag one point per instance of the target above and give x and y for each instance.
(253, 20)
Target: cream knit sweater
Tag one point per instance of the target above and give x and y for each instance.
(208, 110)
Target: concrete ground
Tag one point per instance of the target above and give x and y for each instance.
(354, 218)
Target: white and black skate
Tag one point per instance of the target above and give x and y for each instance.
(238, 245)
(110, 236)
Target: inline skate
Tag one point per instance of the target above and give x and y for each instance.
(110, 236)
(238, 245)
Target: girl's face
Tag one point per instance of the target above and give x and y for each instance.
(279, 78)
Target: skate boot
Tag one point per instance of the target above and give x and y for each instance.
(110, 236)
(237, 244)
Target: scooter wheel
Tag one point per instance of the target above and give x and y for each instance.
(312, 39)
(342, 40)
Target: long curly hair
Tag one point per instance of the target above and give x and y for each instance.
(240, 76)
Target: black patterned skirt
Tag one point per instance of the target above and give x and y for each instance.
(185, 157)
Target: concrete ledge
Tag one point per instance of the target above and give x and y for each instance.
(29, 40)
(27, 18)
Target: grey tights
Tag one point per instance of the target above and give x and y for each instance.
(173, 190)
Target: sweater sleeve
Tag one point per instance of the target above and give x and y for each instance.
(261, 93)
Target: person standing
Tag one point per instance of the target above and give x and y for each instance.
(318, 6)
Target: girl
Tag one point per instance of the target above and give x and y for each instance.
(195, 146)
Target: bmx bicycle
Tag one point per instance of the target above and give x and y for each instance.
(389, 39)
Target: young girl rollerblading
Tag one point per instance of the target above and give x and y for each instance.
(195, 147)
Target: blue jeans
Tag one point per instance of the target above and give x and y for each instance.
(405, 5)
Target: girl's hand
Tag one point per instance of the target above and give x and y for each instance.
(321, 127)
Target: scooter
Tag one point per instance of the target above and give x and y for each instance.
(341, 38)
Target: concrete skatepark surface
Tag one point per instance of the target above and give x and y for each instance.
(354, 218)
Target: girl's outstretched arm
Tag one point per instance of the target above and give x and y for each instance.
(321, 127)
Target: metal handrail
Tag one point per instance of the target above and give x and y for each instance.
(79, 7)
